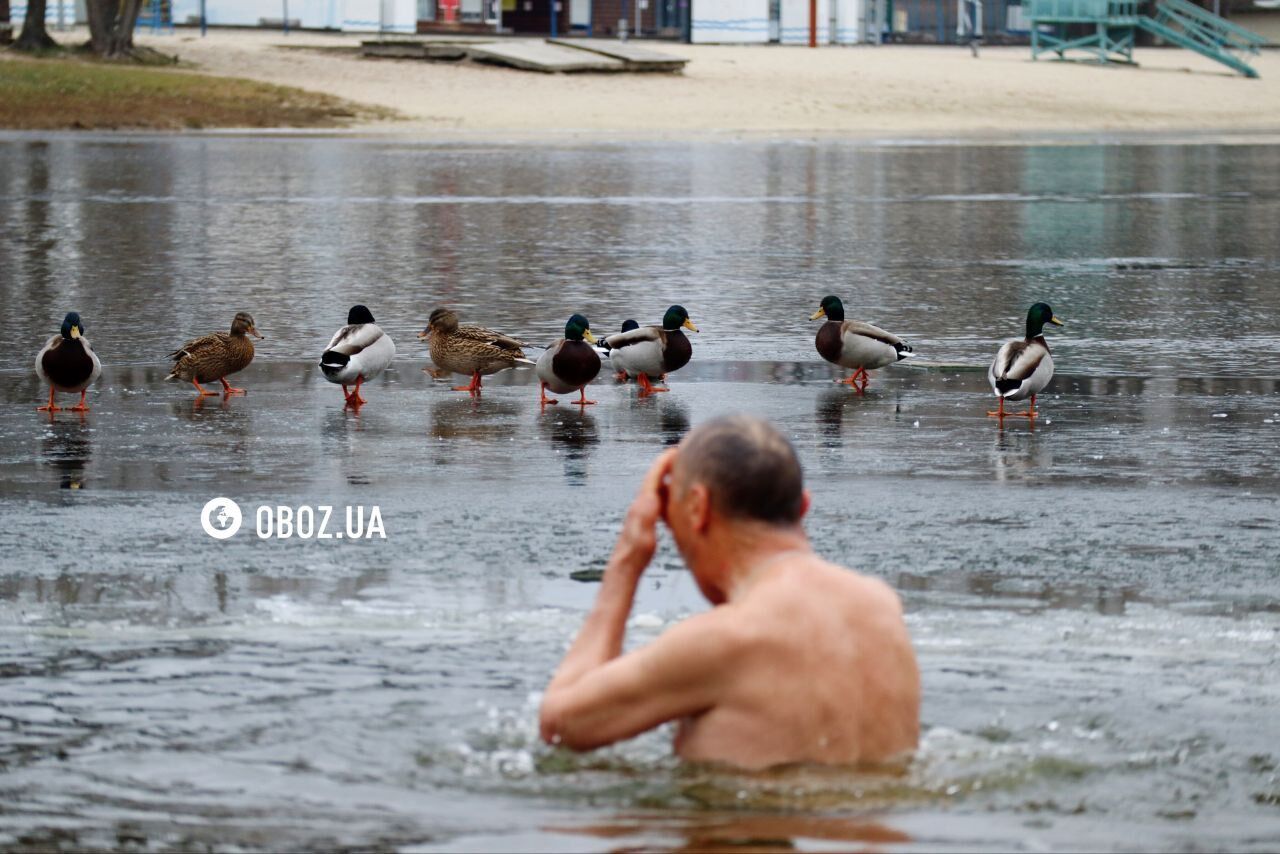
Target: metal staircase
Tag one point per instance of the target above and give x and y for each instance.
(1187, 25)
(1109, 26)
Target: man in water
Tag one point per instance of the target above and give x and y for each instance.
(800, 660)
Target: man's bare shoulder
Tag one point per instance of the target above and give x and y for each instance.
(721, 631)
(813, 579)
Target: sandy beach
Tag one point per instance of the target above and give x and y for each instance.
(766, 90)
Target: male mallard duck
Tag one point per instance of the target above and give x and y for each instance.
(652, 352)
(854, 344)
(470, 350)
(627, 325)
(68, 364)
(216, 355)
(357, 353)
(1023, 368)
(570, 363)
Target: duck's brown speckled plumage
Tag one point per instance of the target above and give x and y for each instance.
(467, 350)
(217, 355)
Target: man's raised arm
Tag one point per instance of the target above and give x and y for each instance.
(597, 697)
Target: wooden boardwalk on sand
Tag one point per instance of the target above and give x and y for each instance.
(549, 56)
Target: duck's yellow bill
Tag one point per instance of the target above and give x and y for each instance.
(586, 333)
(688, 324)
(822, 312)
(75, 332)
(1055, 321)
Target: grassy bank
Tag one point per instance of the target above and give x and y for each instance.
(68, 93)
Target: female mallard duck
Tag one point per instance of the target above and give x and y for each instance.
(853, 344)
(652, 352)
(470, 350)
(68, 364)
(215, 356)
(570, 363)
(1023, 368)
(357, 353)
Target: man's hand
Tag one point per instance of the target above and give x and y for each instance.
(639, 538)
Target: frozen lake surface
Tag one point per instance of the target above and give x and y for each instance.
(1095, 601)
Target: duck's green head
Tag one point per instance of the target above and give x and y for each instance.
(675, 318)
(1037, 316)
(359, 314)
(831, 308)
(72, 325)
(578, 328)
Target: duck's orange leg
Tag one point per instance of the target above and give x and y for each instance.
(227, 388)
(204, 392)
(1030, 413)
(1000, 413)
(582, 401)
(81, 406)
(354, 399)
(474, 388)
(543, 400)
(646, 387)
(50, 406)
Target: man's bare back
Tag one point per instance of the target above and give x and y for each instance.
(825, 673)
(800, 660)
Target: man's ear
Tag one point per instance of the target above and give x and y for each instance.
(805, 501)
(699, 507)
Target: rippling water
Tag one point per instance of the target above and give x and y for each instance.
(1094, 601)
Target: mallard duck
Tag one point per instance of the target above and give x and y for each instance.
(215, 356)
(570, 363)
(470, 350)
(854, 344)
(357, 353)
(68, 364)
(1023, 368)
(627, 325)
(652, 352)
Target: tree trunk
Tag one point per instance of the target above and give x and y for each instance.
(34, 35)
(111, 24)
(6, 34)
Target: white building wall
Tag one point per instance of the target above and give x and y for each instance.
(400, 16)
(371, 16)
(795, 22)
(18, 13)
(730, 21)
(850, 28)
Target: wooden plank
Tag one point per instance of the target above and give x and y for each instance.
(393, 49)
(541, 56)
(636, 57)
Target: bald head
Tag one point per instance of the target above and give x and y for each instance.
(750, 470)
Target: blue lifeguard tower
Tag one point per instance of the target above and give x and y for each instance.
(1106, 29)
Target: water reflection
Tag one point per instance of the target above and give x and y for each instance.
(663, 416)
(573, 433)
(1019, 452)
(829, 410)
(67, 448)
(1029, 592)
(716, 831)
(460, 417)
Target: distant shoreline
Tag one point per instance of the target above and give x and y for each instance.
(872, 95)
